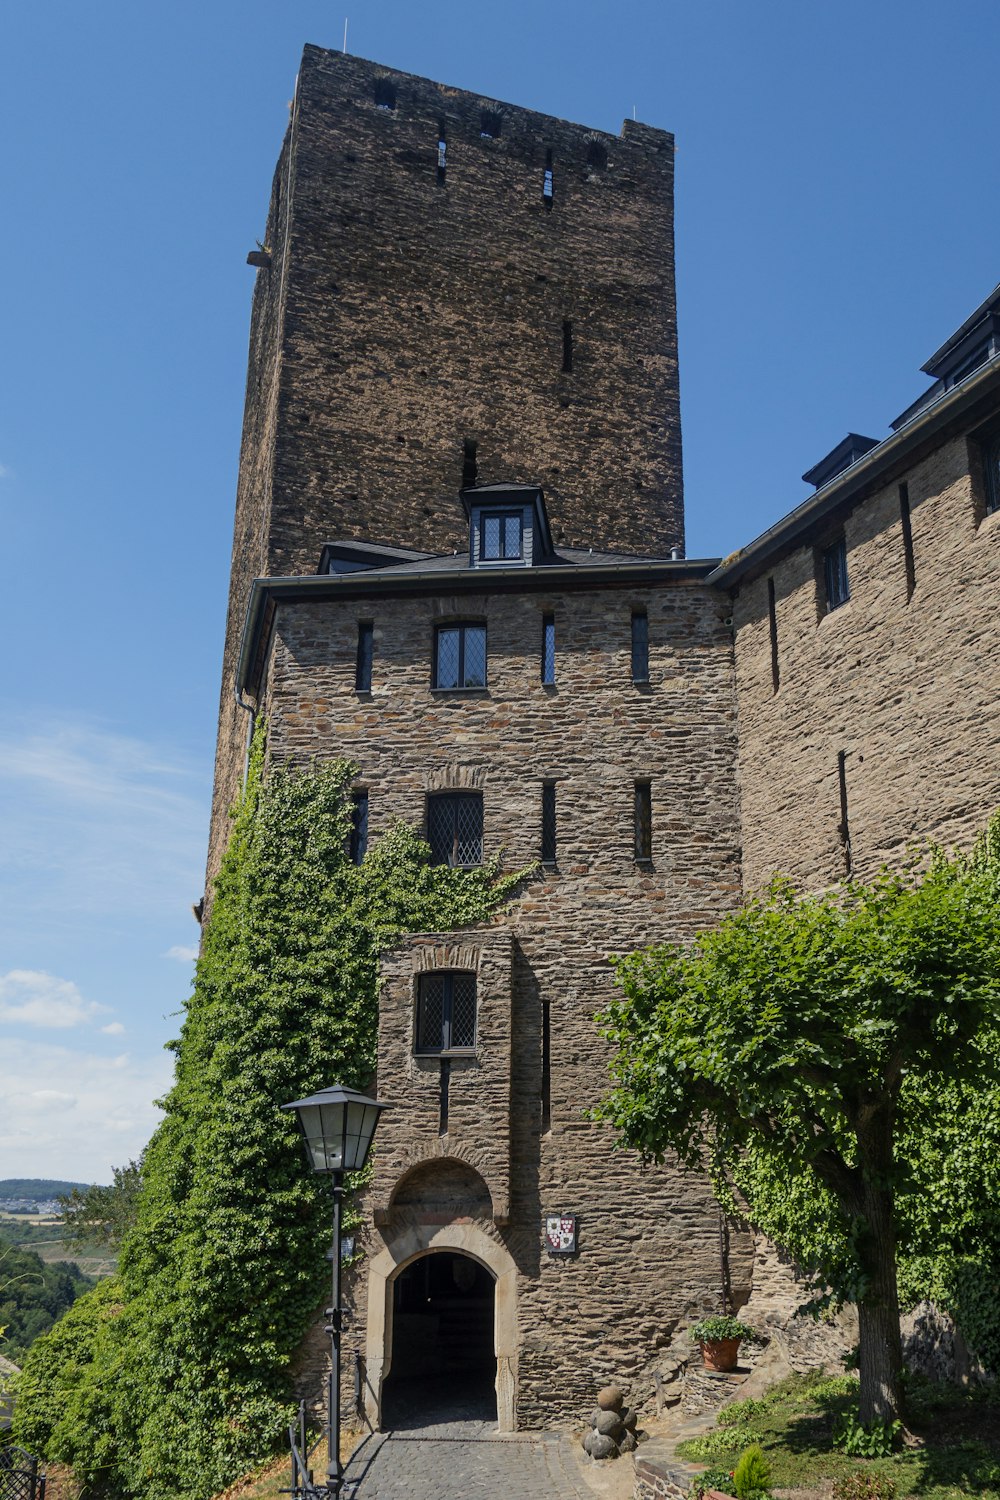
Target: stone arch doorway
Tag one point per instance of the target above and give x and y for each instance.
(491, 1282)
(442, 1360)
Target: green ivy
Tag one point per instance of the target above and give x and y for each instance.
(172, 1380)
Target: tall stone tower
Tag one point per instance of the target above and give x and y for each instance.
(453, 291)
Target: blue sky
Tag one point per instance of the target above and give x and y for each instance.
(837, 218)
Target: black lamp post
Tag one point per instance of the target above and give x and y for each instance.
(338, 1125)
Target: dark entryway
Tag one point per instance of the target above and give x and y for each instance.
(443, 1362)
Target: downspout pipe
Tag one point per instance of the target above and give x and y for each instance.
(251, 726)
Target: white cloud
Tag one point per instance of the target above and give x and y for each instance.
(115, 1028)
(183, 955)
(73, 1114)
(33, 998)
(96, 824)
(4, 472)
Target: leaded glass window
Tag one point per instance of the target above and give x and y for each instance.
(460, 656)
(500, 535)
(548, 648)
(455, 828)
(446, 1012)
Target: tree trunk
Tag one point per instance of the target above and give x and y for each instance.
(880, 1354)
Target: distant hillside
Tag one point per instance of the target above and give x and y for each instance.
(39, 1188)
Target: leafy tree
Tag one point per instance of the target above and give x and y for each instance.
(794, 1045)
(173, 1380)
(33, 1294)
(103, 1215)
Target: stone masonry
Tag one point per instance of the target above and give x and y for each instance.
(586, 1320)
(452, 293)
(408, 313)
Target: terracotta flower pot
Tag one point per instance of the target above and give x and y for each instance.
(720, 1354)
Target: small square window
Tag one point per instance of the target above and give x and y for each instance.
(640, 647)
(359, 826)
(500, 536)
(835, 581)
(446, 1012)
(455, 828)
(460, 656)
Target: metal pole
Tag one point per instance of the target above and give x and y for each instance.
(334, 1473)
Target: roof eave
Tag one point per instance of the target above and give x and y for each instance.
(847, 488)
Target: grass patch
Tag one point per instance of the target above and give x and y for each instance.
(958, 1433)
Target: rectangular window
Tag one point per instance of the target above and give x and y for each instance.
(460, 656)
(548, 823)
(772, 620)
(546, 1090)
(549, 649)
(640, 647)
(908, 559)
(500, 535)
(446, 1012)
(366, 650)
(359, 826)
(835, 574)
(993, 477)
(844, 828)
(455, 828)
(643, 822)
(567, 347)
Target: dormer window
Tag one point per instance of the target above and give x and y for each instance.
(501, 535)
(508, 527)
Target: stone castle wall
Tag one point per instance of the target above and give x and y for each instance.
(599, 1315)
(905, 687)
(403, 317)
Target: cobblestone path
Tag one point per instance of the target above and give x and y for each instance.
(458, 1461)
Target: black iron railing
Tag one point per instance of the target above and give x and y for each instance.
(20, 1475)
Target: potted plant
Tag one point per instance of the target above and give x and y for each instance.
(720, 1339)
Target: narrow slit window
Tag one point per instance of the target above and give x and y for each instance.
(597, 157)
(548, 823)
(385, 95)
(548, 181)
(905, 522)
(443, 1098)
(835, 580)
(490, 125)
(844, 828)
(546, 1089)
(643, 822)
(366, 651)
(446, 1012)
(772, 621)
(470, 466)
(442, 154)
(993, 478)
(567, 363)
(548, 649)
(640, 646)
(359, 826)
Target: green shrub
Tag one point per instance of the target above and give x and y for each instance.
(877, 1440)
(711, 1479)
(752, 1474)
(738, 1412)
(864, 1485)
